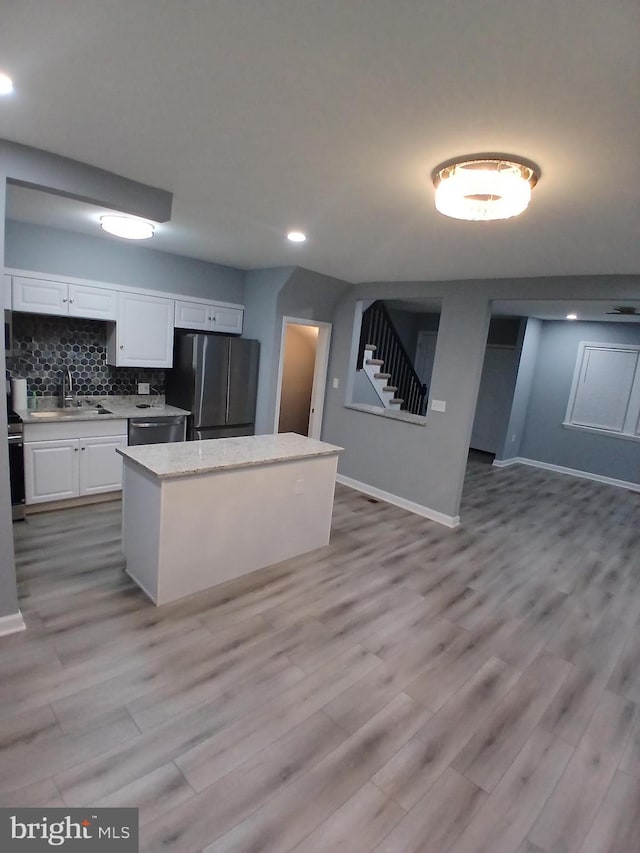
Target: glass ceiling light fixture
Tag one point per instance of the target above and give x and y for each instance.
(129, 227)
(484, 186)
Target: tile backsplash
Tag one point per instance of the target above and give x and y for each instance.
(43, 346)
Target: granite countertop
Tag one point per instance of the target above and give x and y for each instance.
(199, 457)
(119, 407)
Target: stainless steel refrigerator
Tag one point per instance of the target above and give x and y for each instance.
(216, 378)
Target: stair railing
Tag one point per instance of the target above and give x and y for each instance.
(378, 329)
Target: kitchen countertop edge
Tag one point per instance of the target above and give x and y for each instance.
(170, 461)
(117, 411)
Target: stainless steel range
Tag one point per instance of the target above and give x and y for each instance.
(16, 465)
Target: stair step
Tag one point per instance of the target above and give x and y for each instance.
(396, 400)
(371, 347)
(374, 361)
(382, 376)
(390, 388)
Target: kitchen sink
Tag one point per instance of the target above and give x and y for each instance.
(52, 414)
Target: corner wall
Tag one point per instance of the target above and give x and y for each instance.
(522, 392)
(544, 438)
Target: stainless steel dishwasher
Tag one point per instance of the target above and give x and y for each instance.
(157, 430)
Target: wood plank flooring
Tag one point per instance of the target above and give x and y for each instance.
(407, 688)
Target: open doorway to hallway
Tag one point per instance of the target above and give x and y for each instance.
(302, 376)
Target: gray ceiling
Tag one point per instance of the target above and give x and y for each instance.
(329, 116)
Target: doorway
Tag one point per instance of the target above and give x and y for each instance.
(302, 376)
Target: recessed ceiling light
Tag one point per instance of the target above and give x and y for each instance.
(6, 84)
(296, 236)
(572, 316)
(129, 227)
(484, 186)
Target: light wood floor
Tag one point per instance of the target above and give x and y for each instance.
(408, 688)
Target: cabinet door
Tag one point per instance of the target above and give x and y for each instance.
(39, 296)
(100, 465)
(51, 470)
(6, 294)
(227, 320)
(144, 332)
(193, 315)
(96, 303)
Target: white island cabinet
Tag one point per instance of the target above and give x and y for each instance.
(199, 513)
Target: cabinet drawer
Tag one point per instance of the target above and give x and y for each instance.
(74, 429)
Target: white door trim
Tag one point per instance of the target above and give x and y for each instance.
(319, 374)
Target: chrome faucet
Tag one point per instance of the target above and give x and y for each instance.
(67, 394)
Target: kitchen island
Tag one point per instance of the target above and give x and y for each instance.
(198, 513)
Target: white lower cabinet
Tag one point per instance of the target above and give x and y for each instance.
(51, 470)
(57, 468)
(100, 465)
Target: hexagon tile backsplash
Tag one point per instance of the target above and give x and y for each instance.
(44, 346)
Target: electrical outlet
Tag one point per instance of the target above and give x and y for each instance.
(299, 487)
(144, 388)
(439, 405)
(336, 383)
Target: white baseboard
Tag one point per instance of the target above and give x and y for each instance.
(573, 472)
(504, 463)
(11, 624)
(403, 503)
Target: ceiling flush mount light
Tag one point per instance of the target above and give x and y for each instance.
(296, 236)
(572, 316)
(6, 84)
(484, 186)
(129, 227)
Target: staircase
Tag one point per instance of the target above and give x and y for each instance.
(374, 367)
(385, 361)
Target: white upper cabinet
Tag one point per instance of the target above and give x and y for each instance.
(141, 323)
(40, 296)
(226, 320)
(45, 296)
(143, 335)
(96, 303)
(6, 291)
(193, 315)
(208, 317)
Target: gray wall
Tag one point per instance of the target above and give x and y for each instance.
(271, 295)
(260, 305)
(544, 438)
(424, 464)
(41, 249)
(363, 391)
(522, 390)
